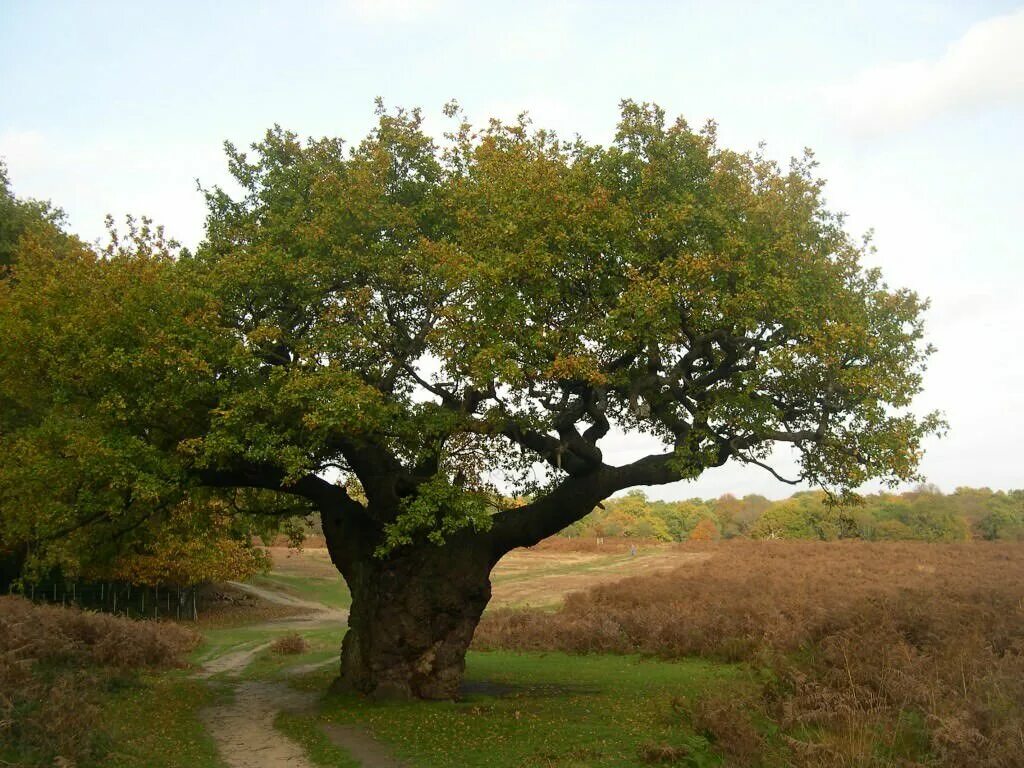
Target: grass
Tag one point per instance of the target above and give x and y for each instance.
(314, 741)
(60, 668)
(558, 710)
(156, 723)
(557, 569)
(323, 644)
(217, 642)
(329, 590)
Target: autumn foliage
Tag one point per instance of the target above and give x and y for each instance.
(705, 530)
(184, 554)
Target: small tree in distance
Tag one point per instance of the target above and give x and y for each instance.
(705, 530)
(446, 325)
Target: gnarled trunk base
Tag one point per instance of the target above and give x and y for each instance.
(412, 618)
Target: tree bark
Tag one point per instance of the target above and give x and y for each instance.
(414, 610)
(413, 614)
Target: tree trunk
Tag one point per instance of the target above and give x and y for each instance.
(415, 609)
(413, 615)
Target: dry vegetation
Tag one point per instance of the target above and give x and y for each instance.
(878, 654)
(290, 644)
(54, 662)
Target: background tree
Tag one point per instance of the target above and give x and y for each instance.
(451, 324)
(705, 530)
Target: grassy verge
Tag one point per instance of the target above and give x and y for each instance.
(323, 646)
(155, 722)
(535, 709)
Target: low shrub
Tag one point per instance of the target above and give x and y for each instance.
(290, 644)
(663, 754)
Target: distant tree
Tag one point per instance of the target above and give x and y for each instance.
(892, 530)
(752, 506)
(787, 519)
(735, 515)
(427, 317)
(681, 517)
(705, 530)
(972, 504)
(1002, 518)
(931, 520)
(649, 527)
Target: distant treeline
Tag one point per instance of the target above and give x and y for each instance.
(922, 514)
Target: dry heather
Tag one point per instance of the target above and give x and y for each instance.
(52, 663)
(609, 544)
(879, 653)
(290, 644)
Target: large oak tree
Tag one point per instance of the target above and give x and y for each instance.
(404, 334)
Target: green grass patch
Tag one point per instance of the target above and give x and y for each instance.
(156, 724)
(329, 590)
(535, 709)
(324, 645)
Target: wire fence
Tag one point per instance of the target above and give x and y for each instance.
(119, 598)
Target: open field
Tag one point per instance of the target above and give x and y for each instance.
(537, 577)
(739, 653)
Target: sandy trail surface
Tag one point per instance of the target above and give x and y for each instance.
(244, 727)
(362, 746)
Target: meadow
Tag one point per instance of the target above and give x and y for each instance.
(731, 653)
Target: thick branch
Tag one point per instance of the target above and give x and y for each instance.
(577, 496)
(323, 494)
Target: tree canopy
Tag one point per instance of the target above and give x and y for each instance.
(411, 329)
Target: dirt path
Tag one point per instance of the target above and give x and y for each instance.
(362, 746)
(274, 596)
(232, 662)
(244, 728)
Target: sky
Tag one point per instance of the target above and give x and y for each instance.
(915, 111)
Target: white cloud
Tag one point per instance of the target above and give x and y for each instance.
(983, 68)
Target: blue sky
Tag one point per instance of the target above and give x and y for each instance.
(915, 111)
